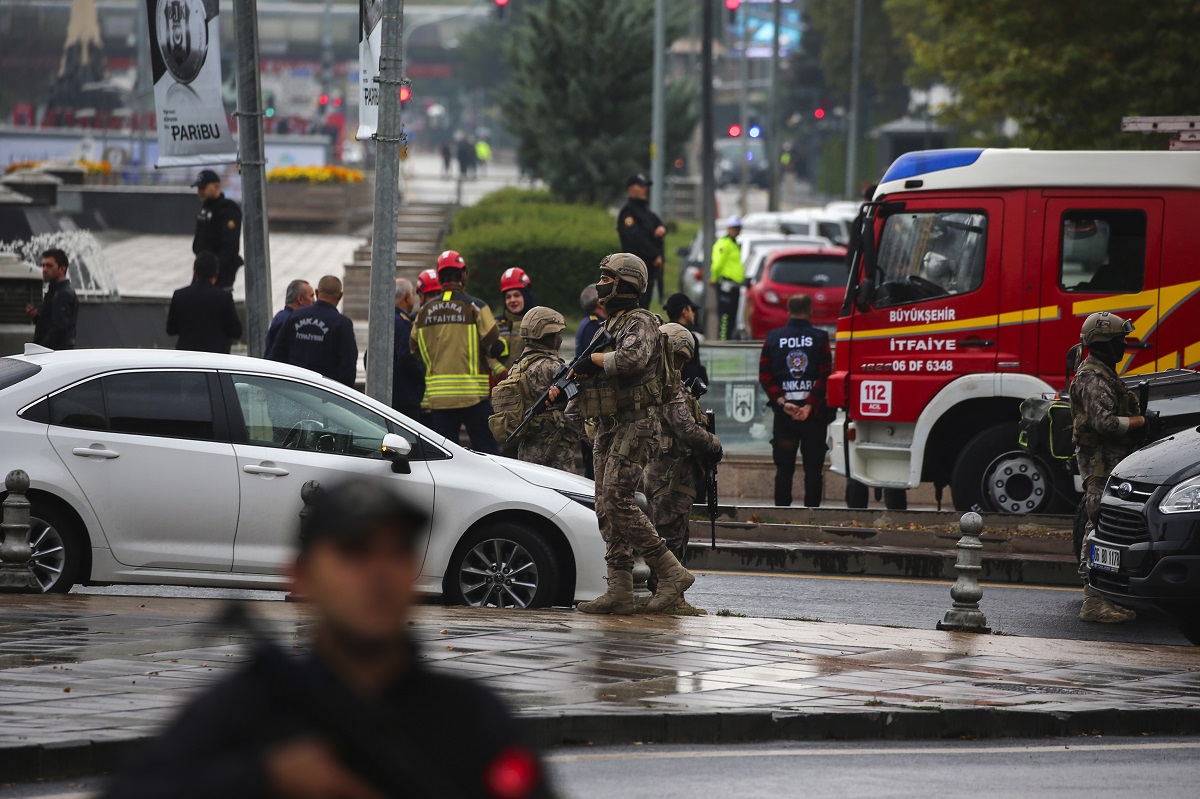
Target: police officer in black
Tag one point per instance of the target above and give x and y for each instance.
(218, 227)
(794, 365)
(642, 233)
(320, 338)
(359, 716)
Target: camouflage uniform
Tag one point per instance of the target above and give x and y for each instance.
(551, 439)
(1101, 406)
(671, 479)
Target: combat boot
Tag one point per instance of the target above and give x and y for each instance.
(617, 599)
(684, 608)
(673, 580)
(1100, 609)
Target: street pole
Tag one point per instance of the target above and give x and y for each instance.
(143, 92)
(381, 319)
(855, 104)
(658, 117)
(708, 188)
(773, 115)
(744, 113)
(252, 163)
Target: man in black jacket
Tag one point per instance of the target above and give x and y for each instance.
(202, 315)
(54, 322)
(361, 717)
(642, 233)
(320, 338)
(408, 372)
(218, 227)
(682, 311)
(299, 294)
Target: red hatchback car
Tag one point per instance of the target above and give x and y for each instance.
(817, 271)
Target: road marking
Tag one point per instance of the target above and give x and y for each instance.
(945, 583)
(971, 751)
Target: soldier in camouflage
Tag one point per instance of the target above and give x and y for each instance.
(551, 439)
(1108, 425)
(622, 391)
(671, 480)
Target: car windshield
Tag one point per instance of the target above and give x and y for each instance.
(13, 371)
(808, 270)
(933, 254)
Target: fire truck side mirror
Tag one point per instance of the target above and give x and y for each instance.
(866, 290)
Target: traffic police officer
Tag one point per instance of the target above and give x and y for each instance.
(320, 338)
(625, 388)
(514, 289)
(455, 334)
(793, 368)
(728, 274)
(1108, 425)
(671, 479)
(642, 233)
(218, 227)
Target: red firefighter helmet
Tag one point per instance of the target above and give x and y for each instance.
(514, 279)
(450, 260)
(427, 282)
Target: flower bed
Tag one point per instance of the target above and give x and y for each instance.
(318, 175)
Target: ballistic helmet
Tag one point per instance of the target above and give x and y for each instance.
(541, 321)
(1104, 326)
(628, 267)
(680, 338)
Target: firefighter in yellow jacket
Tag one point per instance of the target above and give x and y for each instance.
(455, 334)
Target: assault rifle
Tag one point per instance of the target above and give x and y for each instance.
(564, 379)
(710, 476)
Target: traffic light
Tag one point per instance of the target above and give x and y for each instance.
(819, 113)
(732, 6)
(323, 100)
(735, 130)
(405, 95)
(501, 8)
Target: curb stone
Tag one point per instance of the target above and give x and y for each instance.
(78, 758)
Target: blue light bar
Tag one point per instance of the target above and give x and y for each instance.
(911, 165)
(755, 131)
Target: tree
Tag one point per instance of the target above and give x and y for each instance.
(580, 99)
(885, 58)
(1065, 72)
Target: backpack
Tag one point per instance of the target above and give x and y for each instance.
(511, 398)
(1046, 427)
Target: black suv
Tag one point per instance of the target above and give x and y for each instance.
(1146, 546)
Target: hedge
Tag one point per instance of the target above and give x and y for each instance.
(559, 245)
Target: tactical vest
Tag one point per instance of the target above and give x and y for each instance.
(512, 397)
(606, 395)
(1127, 405)
(678, 476)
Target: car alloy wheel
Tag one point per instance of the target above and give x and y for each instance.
(48, 558)
(498, 573)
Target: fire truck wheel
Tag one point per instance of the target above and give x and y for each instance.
(993, 473)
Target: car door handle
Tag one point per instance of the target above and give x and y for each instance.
(95, 451)
(976, 342)
(274, 471)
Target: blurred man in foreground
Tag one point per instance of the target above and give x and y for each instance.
(361, 717)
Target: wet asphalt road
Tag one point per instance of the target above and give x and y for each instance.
(1012, 609)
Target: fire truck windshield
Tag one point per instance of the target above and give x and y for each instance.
(926, 255)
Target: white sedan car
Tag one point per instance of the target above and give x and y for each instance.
(183, 468)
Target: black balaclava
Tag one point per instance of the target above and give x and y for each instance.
(619, 296)
(1109, 352)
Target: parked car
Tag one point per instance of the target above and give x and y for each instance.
(165, 467)
(1145, 550)
(816, 222)
(729, 163)
(818, 271)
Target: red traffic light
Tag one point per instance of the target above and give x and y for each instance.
(819, 113)
(405, 94)
(735, 130)
(732, 5)
(501, 3)
(323, 99)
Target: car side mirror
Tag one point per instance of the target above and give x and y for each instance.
(682, 252)
(396, 448)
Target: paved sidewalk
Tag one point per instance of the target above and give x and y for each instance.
(83, 678)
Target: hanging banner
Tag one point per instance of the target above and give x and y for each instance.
(370, 38)
(185, 59)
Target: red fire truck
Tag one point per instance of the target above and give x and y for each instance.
(973, 272)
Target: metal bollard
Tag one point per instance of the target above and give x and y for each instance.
(15, 576)
(965, 616)
(308, 493)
